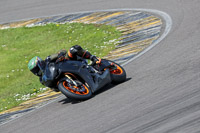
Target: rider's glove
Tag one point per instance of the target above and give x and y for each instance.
(61, 58)
(62, 53)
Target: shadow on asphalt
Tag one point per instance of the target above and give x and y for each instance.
(104, 89)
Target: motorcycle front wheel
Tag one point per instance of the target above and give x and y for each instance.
(81, 92)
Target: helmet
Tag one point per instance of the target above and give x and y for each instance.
(36, 65)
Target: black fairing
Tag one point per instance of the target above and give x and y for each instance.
(50, 73)
(94, 80)
(53, 73)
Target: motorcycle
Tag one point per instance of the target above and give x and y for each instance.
(79, 80)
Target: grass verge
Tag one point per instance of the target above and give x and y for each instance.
(19, 45)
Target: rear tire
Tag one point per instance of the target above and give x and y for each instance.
(118, 75)
(67, 90)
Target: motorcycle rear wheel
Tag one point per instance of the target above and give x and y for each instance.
(118, 75)
(70, 91)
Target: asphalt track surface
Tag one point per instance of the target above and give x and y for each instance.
(162, 94)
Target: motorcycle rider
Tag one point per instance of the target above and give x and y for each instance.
(72, 54)
(36, 65)
(53, 74)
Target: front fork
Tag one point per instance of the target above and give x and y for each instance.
(70, 80)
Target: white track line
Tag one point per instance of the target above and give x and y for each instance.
(168, 25)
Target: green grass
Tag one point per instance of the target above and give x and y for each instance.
(19, 45)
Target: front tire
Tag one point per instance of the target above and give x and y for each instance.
(68, 90)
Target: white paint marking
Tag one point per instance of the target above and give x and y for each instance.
(168, 22)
